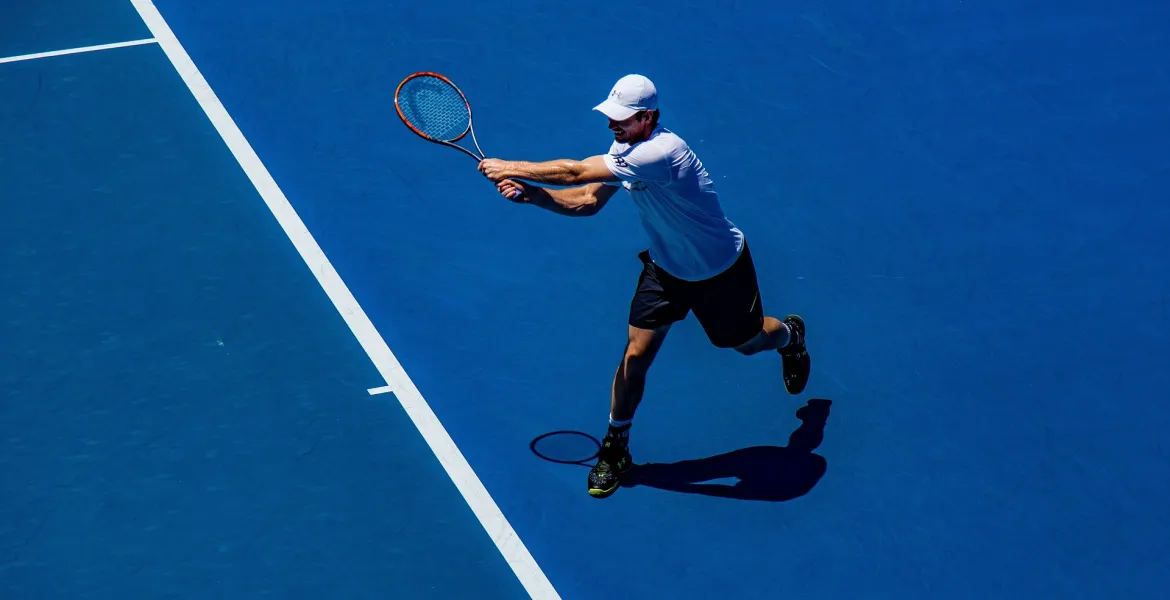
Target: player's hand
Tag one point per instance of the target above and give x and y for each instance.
(493, 168)
(511, 190)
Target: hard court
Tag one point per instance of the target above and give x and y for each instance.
(259, 340)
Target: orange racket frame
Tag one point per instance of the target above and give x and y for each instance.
(451, 143)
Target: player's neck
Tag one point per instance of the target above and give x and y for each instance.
(645, 136)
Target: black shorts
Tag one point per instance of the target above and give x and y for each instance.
(727, 305)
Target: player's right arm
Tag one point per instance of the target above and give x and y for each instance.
(580, 201)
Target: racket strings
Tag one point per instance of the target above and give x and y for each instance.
(435, 108)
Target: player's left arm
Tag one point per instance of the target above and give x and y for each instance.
(553, 172)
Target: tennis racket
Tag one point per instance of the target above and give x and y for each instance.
(432, 106)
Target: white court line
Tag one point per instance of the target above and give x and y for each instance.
(12, 59)
(515, 553)
(380, 390)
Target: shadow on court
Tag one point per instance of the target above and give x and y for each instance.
(765, 473)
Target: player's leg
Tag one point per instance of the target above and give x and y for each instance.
(773, 334)
(629, 382)
(652, 311)
(730, 309)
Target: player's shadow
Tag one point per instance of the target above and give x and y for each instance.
(764, 473)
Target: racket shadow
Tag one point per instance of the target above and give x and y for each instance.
(764, 473)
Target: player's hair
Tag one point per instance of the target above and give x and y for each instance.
(653, 117)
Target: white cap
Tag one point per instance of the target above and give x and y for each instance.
(629, 95)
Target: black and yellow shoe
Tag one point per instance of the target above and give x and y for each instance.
(794, 357)
(613, 462)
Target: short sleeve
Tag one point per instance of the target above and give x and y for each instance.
(642, 162)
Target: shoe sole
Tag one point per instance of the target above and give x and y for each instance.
(596, 493)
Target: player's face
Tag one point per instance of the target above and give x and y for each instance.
(632, 129)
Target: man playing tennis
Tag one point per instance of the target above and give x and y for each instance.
(697, 261)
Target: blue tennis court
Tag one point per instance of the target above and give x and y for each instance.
(262, 341)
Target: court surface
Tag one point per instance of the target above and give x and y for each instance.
(261, 341)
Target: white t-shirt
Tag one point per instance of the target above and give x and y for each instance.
(690, 237)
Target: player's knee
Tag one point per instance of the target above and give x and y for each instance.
(636, 361)
(637, 358)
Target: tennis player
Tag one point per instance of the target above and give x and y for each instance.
(697, 261)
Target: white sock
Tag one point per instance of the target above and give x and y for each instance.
(787, 337)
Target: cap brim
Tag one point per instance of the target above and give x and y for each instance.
(615, 111)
